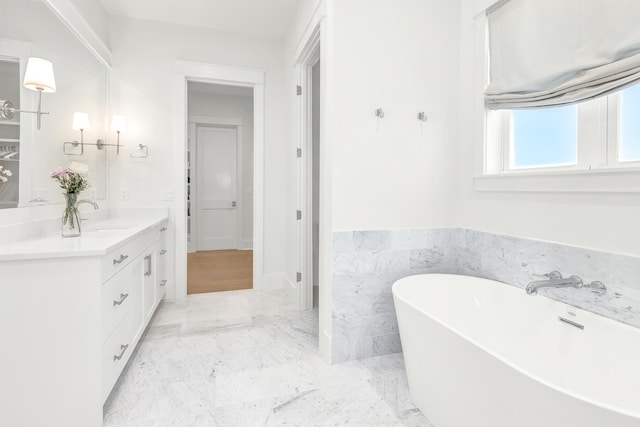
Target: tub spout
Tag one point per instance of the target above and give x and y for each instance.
(555, 281)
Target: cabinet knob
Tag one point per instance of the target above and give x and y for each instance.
(163, 229)
(164, 282)
(162, 252)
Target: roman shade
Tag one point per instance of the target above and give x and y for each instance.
(556, 52)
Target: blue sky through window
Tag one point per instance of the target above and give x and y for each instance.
(545, 137)
(630, 124)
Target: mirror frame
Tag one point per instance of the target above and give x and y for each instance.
(69, 15)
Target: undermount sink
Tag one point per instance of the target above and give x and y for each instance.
(107, 227)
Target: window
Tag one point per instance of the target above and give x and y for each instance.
(629, 145)
(596, 134)
(544, 137)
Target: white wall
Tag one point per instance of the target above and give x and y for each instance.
(143, 60)
(233, 106)
(602, 221)
(400, 56)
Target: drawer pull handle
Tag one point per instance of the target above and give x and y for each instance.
(163, 229)
(124, 348)
(122, 258)
(121, 300)
(164, 282)
(147, 271)
(162, 252)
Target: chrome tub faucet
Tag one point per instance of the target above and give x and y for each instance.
(555, 280)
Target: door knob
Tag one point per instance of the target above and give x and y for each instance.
(233, 204)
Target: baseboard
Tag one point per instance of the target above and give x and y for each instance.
(170, 291)
(325, 346)
(272, 281)
(290, 289)
(247, 245)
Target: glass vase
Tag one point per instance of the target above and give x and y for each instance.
(70, 217)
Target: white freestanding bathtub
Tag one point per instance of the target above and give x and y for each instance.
(481, 353)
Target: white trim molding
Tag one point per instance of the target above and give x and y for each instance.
(215, 120)
(73, 19)
(273, 281)
(185, 71)
(593, 181)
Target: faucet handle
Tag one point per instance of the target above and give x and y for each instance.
(597, 286)
(553, 275)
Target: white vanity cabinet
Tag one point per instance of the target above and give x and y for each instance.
(69, 324)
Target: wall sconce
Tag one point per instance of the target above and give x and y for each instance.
(118, 124)
(81, 122)
(39, 77)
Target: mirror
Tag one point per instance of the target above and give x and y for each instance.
(30, 29)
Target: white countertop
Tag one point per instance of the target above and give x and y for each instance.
(99, 236)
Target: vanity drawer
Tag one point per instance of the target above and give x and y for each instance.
(163, 246)
(121, 256)
(163, 253)
(161, 283)
(115, 354)
(162, 228)
(117, 294)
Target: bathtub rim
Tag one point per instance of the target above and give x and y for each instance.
(547, 383)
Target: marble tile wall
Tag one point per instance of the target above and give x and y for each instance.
(365, 266)
(367, 263)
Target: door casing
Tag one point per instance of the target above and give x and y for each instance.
(185, 71)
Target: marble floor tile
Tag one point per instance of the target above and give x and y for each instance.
(249, 358)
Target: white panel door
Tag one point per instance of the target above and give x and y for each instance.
(217, 160)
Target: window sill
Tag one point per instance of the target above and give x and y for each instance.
(612, 180)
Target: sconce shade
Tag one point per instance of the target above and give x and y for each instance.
(118, 123)
(81, 121)
(39, 75)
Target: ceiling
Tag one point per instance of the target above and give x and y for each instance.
(265, 18)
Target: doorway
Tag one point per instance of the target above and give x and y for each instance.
(219, 187)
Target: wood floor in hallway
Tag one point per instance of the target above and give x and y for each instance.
(215, 271)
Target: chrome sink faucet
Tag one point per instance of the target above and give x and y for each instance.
(91, 202)
(555, 280)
